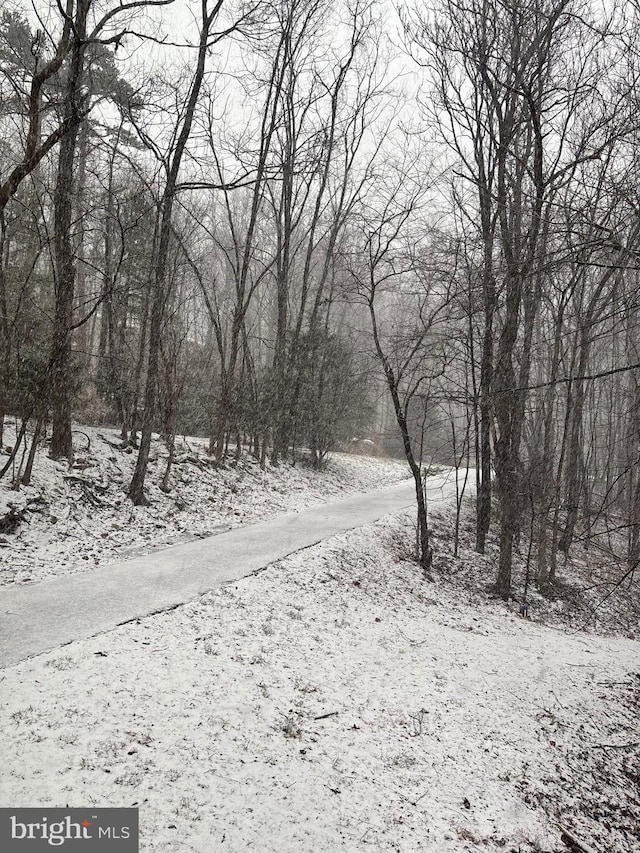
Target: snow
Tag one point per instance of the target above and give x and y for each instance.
(81, 516)
(590, 593)
(336, 702)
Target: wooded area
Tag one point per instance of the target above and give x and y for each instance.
(245, 220)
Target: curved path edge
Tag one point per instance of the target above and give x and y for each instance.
(38, 617)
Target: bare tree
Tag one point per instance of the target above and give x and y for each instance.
(172, 162)
(404, 302)
(517, 136)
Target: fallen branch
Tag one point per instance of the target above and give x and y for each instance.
(80, 432)
(122, 444)
(631, 745)
(574, 843)
(89, 489)
(91, 484)
(410, 641)
(324, 716)
(12, 519)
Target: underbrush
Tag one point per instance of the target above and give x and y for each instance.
(590, 593)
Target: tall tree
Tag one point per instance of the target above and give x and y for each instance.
(172, 163)
(49, 52)
(517, 133)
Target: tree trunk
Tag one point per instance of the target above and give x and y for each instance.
(5, 327)
(60, 381)
(547, 491)
(506, 400)
(483, 510)
(26, 477)
(60, 372)
(425, 556)
(136, 489)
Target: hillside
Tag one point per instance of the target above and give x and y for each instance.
(71, 518)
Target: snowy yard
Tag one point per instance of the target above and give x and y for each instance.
(335, 702)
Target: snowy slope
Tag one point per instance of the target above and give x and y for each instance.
(336, 702)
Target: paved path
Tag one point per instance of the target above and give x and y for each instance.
(38, 617)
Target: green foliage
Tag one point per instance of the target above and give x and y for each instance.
(334, 400)
(17, 42)
(105, 80)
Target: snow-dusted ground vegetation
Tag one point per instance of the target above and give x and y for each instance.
(338, 702)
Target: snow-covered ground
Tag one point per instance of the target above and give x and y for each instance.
(80, 517)
(336, 702)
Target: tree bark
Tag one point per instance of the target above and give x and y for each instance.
(160, 294)
(60, 376)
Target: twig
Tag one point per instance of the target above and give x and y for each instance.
(631, 745)
(324, 716)
(630, 572)
(412, 642)
(84, 481)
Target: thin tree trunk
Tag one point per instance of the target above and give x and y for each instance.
(547, 488)
(483, 517)
(425, 552)
(136, 489)
(5, 329)
(28, 471)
